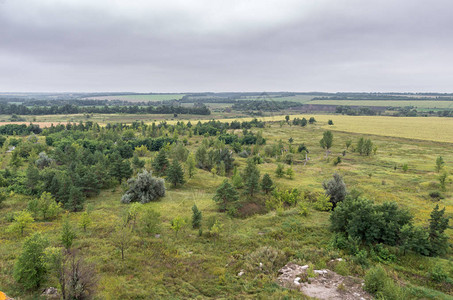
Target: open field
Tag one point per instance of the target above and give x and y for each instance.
(422, 128)
(140, 98)
(189, 266)
(421, 104)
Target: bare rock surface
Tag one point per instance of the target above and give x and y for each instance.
(325, 285)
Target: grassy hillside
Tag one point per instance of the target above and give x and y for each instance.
(186, 265)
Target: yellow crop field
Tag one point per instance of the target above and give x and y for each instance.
(422, 128)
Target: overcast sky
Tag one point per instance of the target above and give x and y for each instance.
(226, 45)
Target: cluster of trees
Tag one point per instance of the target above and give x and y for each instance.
(356, 111)
(263, 105)
(360, 220)
(9, 109)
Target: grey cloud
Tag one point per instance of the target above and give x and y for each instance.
(348, 45)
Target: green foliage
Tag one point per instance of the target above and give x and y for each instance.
(379, 284)
(364, 146)
(442, 180)
(225, 195)
(85, 220)
(160, 163)
(177, 224)
(280, 172)
(149, 221)
(137, 163)
(144, 188)
(336, 189)
(288, 197)
(330, 122)
(30, 268)
(175, 173)
(237, 180)
(252, 178)
(267, 185)
(215, 229)
(323, 203)
(437, 238)
(438, 273)
(302, 209)
(439, 163)
(191, 165)
(290, 173)
(196, 217)
(121, 238)
(45, 207)
(265, 260)
(22, 221)
(405, 167)
(67, 234)
(361, 219)
(179, 152)
(337, 161)
(326, 141)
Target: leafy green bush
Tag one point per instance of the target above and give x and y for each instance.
(323, 203)
(438, 273)
(378, 283)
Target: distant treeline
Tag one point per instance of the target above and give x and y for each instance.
(383, 97)
(9, 109)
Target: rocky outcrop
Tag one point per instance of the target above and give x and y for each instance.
(322, 284)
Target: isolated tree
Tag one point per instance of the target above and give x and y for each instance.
(290, 173)
(252, 178)
(438, 223)
(287, 118)
(175, 174)
(439, 163)
(67, 234)
(144, 188)
(330, 122)
(443, 181)
(335, 188)
(196, 217)
(30, 268)
(326, 141)
(132, 213)
(121, 238)
(22, 220)
(85, 220)
(280, 172)
(160, 163)
(312, 120)
(267, 185)
(190, 163)
(177, 224)
(225, 195)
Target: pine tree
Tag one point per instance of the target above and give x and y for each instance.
(175, 174)
(439, 163)
(196, 217)
(75, 199)
(225, 194)
(437, 226)
(32, 178)
(252, 178)
(30, 268)
(160, 163)
(267, 185)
